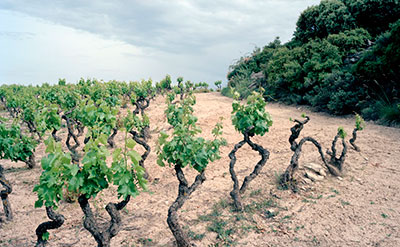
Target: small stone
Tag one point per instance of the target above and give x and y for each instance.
(313, 176)
(307, 181)
(340, 178)
(316, 168)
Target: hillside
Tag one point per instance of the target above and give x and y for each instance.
(362, 208)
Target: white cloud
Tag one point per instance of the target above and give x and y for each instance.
(195, 38)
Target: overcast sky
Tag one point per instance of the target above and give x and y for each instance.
(43, 40)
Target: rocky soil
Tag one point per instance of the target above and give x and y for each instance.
(360, 208)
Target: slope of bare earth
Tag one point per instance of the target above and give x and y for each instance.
(362, 208)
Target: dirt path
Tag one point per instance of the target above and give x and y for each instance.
(361, 209)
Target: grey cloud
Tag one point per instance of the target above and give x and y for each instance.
(199, 38)
(175, 26)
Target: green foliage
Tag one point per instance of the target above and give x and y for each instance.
(350, 41)
(62, 82)
(48, 118)
(374, 15)
(93, 176)
(379, 67)
(332, 62)
(98, 118)
(329, 17)
(342, 133)
(218, 84)
(184, 148)
(242, 82)
(14, 145)
(52, 179)
(251, 117)
(227, 91)
(360, 124)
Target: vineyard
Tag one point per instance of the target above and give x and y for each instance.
(152, 164)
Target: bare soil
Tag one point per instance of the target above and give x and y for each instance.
(361, 208)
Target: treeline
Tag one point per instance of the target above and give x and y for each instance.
(344, 57)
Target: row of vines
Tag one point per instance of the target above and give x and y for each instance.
(76, 166)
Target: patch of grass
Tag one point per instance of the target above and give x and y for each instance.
(259, 206)
(335, 191)
(270, 214)
(315, 198)
(285, 219)
(195, 236)
(308, 201)
(278, 179)
(298, 228)
(146, 241)
(255, 193)
(384, 216)
(230, 225)
(223, 231)
(344, 203)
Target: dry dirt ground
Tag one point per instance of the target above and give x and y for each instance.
(360, 209)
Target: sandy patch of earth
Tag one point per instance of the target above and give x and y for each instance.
(362, 209)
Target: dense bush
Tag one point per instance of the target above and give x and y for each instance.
(337, 61)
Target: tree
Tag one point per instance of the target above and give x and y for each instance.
(334, 165)
(374, 15)
(185, 149)
(250, 119)
(360, 125)
(329, 17)
(218, 85)
(90, 175)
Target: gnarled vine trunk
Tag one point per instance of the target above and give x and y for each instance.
(142, 142)
(183, 194)
(334, 165)
(56, 221)
(235, 193)
(53, 134)
(286, 180)
(31, 161)
(4, 194)
(337, 163)
(72, 149)
(110, 139)
(103, 235)
(353, 140)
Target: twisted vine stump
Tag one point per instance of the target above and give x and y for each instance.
(141, 104)
(4, 194)
(56, 221)
(31, 161)
(360, 125)
(80, 128)
(336, 164)
(141, 141)
(184, 192)
(287, 180)
(185, 149)
(249, 119)
(296, 129)
(71, 134)
(236, 192)
(33, 130)
(103, 235)
(110, 139)
(353, 140)
(54, 135)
